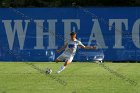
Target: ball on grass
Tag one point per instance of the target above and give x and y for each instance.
(48, 71)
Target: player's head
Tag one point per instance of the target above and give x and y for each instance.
(73, 35)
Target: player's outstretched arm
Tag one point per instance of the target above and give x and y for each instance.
(62, 48)
(88, 47)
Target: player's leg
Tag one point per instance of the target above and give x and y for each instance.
(67, 62)
(60, 58)
(57, 60)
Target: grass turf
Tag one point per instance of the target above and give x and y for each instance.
(18, 77)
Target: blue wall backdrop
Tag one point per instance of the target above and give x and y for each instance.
(33, 34)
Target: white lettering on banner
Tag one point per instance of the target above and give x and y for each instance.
(51, 25)
(67, 27)
(18, 27)
(40, 34)
(135, 33)
(118, 30)
(96, 30)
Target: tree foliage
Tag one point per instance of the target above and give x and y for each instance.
(68, 3)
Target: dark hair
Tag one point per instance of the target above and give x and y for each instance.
(73, 33)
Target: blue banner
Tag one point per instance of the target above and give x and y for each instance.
(34, 34)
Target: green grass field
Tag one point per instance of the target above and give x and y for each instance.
(18, 77)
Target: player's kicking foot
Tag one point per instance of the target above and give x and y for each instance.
(58, 72)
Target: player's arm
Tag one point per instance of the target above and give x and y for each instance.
(62, 48)
(86, 47)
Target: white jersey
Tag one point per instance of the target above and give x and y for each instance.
(72, 47)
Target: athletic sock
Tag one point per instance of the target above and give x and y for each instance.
(61, 69)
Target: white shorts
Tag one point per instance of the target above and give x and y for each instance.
(65, 57)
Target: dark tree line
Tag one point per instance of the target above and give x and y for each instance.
(67, 3)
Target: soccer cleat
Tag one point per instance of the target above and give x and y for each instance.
(58, 72)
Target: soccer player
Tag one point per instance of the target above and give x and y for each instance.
(70, 49)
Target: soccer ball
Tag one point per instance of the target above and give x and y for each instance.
(48, 71)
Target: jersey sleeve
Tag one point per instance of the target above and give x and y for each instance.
(80, 44)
